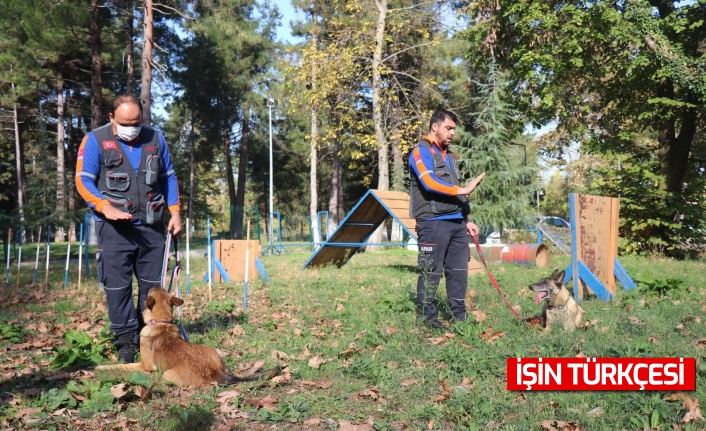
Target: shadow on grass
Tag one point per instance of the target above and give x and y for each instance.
(210, 321)
(405, 268)
(193, 417)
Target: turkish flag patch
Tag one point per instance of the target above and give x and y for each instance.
(80, 152)
(107, 145)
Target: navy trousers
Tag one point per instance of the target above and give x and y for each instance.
(443, 245)
(126, 249)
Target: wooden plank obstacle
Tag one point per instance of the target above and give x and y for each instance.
(594, 243)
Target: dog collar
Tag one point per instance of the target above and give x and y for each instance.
(559, 307)
(154, 322)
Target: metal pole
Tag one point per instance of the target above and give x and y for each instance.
(538, 202)
(270, 104)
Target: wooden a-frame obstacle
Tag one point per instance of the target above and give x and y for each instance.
(594, 247)
(369, 213)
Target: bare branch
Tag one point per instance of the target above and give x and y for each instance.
(407, 49)
(414, 6)
(156, 7)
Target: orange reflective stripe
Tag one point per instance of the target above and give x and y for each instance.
(96, 201)
(428, 181)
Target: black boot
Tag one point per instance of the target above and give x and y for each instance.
(126, 349)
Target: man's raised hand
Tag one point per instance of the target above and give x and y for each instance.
(471, 186)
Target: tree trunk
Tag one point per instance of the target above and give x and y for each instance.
(313, 156)
(675, 149)
(378, 121)
(242, 174)
(71, 167)
(19, 166)
(60, 160)
(146, 89)
(398, 167)
(335, 203)
(229, 175)
(130, 57)
(383, 167)
(96, 68)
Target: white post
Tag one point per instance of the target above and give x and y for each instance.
(270, 105)
(538, 202)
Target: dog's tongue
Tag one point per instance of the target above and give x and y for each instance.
(539, 297)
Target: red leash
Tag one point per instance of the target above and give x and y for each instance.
(492, 279)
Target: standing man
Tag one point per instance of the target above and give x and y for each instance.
(125, 175)
(439, 205)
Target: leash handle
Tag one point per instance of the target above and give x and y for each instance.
(492, 278)
(165, 260)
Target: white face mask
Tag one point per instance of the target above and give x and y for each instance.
(127, 133)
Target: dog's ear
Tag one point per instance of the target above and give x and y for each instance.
(554, 274)
(559, 278)
(176, 301)
(150, 302)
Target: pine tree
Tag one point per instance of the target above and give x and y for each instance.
(501, 200)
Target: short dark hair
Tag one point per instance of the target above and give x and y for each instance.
(440, 115)
(126, 98)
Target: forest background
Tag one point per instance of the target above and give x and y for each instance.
(620, 86)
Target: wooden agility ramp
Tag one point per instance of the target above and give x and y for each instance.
(367, 215)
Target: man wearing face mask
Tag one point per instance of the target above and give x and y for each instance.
(125, 175)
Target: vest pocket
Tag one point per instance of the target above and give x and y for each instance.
(152, 171)
(112, 158)
(120, 202)
(155, 209)
(118, 181)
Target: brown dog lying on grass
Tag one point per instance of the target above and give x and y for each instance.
(183, 363)
(561, 308)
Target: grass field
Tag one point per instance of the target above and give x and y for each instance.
(354, 357)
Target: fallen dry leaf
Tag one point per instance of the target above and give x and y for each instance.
(445, 391)
(480, 316)
(226, 396)
(323, 384)
(264, 403)
(692, 318)
(693, 411)
(119, 390)
(555, 425)
(373, 393)
(317, 361)
(340, 307)
(409, 382)
(491, 336)
(279, 356)
(467, 383)
(303, 355)
(142, 392)
(351, 350)
(344, 425)
(247, 370)
(443, 339)
(284, 377)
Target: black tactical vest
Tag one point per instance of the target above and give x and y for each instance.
(425, 205)
(138, 193)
